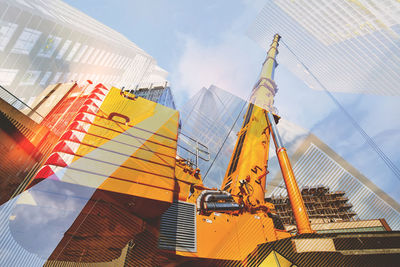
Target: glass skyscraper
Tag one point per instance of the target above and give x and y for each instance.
(314, 163)
(209, 117)
(350, 46)
(45, 42)
(160, 94)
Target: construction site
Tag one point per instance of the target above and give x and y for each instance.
(321, 205)
(110, 172)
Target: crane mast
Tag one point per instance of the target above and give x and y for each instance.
(248, 167)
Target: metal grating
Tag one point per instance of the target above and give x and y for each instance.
(178, 228)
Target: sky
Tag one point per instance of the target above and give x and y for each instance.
(204, 42)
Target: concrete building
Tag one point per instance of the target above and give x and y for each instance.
(329, 212)
(322, 206)
(350, 46)
(315, 163)
(44, 42)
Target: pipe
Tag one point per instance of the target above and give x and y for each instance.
(204, 193)
(213, 197)
(208, 201)
(221, 206)
(295, 198)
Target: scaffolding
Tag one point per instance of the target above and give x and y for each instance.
(322, 206)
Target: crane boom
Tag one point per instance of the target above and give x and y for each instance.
(248, 167)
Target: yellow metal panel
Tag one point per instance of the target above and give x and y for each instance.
(270, 261)
(129, 148)
(283, 262)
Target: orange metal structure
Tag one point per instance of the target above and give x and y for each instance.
(118, 151)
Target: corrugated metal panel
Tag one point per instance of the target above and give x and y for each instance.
(178, 228)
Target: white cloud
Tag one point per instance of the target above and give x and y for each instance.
(232, 62)
(228, 64)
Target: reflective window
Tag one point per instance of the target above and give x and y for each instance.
(114, 64)
(73, 51)
(63, 49)
(110, 59)
(7, 29)
(99, 57)
(49, 46)
(26, 41)
(87, 54)
(80, 53)
(45, 77)
(94, 55)
(56, 77)
(103, 60)
(30, 77)
(22, 2)
(7, 76)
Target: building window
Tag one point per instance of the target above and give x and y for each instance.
(73, 51)
(30, 77)
(110, 59)
(26, 41)
(7, 76)
(50, 46)
(115, 63)
(99, 57)
(56, 77)
(103, 60)
(7, 29)
(93, 56)
(86, 56)
(63, 49)
(80, 53)
(45, 77)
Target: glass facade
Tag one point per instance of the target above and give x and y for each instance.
(209, 117)
(6, 31)
(314, 163)
(59, 44)
(160, 95)
(111, 188)
(350, 46)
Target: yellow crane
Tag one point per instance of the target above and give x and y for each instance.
(119, 150)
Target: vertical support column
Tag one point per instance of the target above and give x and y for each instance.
(295, 198)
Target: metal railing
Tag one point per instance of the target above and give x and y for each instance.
(17, 103)
(197, 149)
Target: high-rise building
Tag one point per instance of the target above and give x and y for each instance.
(92, 120)
(350, 46)
(314, 163)
(322, 206)
(211, 117)
(45, 42)
(159, 94)
(328, 211)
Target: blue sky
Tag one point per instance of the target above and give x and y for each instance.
(204, 42)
